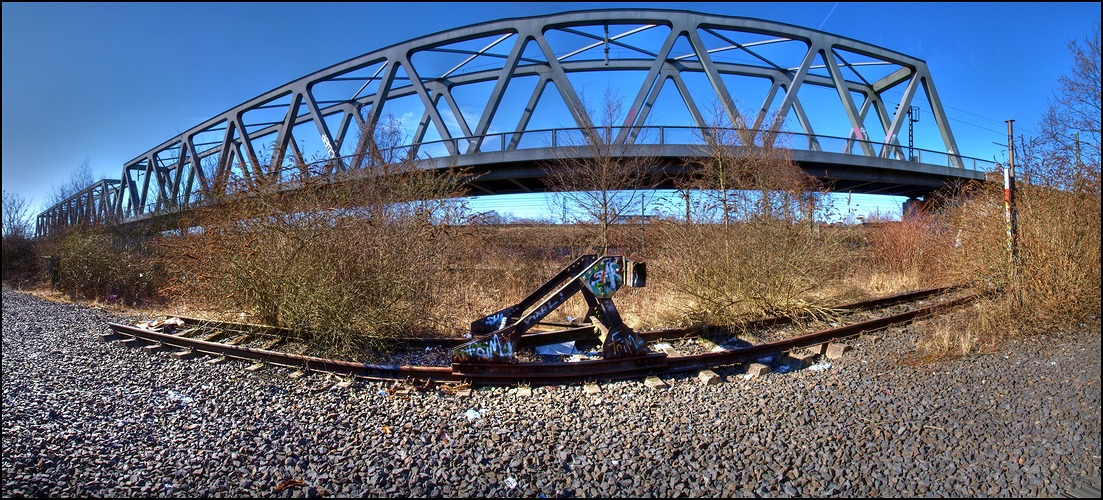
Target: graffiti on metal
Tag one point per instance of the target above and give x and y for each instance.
(597, 279)
(623, 341)
(492, 322)
(605, 277)
(492, 348)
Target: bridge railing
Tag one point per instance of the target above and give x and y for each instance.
(686, 135)
(659, 135)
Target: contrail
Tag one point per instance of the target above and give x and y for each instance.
(828, 15)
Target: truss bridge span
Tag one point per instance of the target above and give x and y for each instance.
(506, 97)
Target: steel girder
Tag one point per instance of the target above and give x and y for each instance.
(95, 204)
(263, 140)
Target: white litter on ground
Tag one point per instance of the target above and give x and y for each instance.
(554, 349)
(177, 396)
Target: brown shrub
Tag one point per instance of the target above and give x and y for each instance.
(1056, 283)
(96, 263)
(747, 270)
(907, 254)
(20, 261)
(343, 259)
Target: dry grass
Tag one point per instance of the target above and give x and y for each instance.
(951, 335)
(1056, 283)
(723, 275)
(100, 264)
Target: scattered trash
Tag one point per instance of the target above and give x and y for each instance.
(290, 483)
(467, 335)
(718, 349)
(511, 483)
(387, 430)
(554, 349)
(427, 348)
(821, 366)
(783, 369)
(177, 396)
(472, 415)
(662, 345)
(383, 392)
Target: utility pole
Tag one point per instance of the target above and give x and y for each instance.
(911, 136)
(1009, 205)
(643, 227)
(913, 117)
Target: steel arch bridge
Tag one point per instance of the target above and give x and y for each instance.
(506, 95)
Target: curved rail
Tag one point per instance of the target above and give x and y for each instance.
(546, 373)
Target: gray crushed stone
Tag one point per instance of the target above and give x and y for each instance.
(86, 418)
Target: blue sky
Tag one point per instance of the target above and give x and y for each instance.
(106, 82)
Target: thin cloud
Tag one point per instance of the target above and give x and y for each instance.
(832, 11)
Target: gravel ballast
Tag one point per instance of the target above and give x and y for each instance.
(86, 418)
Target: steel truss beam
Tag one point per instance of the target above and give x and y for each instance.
(261, 140)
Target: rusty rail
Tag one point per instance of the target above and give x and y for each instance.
(551, 373)
(338, 367)
(583, 331)
(661, 364)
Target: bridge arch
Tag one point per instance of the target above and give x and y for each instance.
(474, 94)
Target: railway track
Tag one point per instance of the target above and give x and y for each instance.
(223, 340)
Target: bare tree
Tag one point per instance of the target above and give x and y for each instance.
(18, 257)
(597, 177)
(743, 255)
(17, 216)
(78, 181)
(1067, 154)
(744, 173)
(343, 259)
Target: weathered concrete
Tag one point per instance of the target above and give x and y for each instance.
(708, 377)
(837, 349)
(757, 369)
(655, 383)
